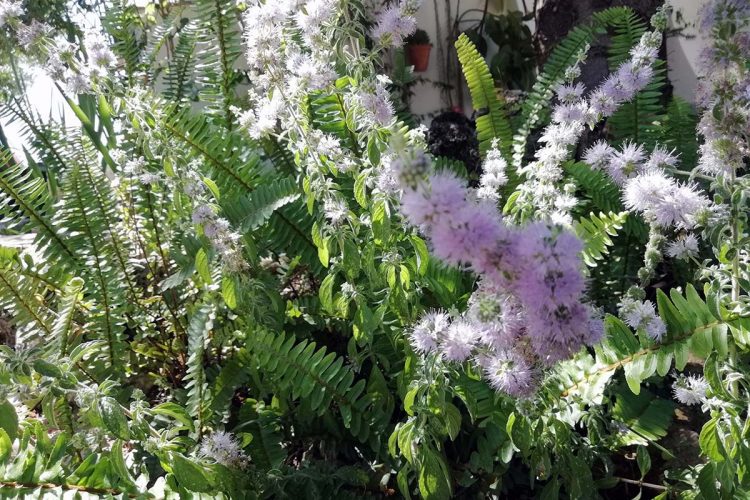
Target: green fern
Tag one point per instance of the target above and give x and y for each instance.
(201, 323)
(595, 231)
(327, 113)
(22, 297)
(603, 193)
(692, 328)
(678, 131)
(646, 417)
(492, 122)
(179, 77)
(220, 47)
(260, 205)
(564, 55)
(123, 22)
(234, 166)
(318, 379)
(24, 193)
(637, 120)
(90, 230)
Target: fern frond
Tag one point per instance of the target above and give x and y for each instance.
(638, 119)
(327, 113)
(562, 57)
(24, 193)
(64, 325)
(678, 131)
(123, 22)
(258, 207)
(87, 223)
(646, 417)
(179, 77)
(595, 231)
(22, 297)
(492, 122)
(197, 402)
(232, 163)
(49, 141)
(220, 47)
(691, 329)
(318, 379)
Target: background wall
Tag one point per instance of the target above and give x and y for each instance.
(682, 51)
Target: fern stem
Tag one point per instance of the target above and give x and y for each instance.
(21, 300)
(99, 273)
(165, 262)
(641, 483)
(113, 236)
(629, 359)
(225, 65)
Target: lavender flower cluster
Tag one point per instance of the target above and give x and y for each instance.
(646, 186)
(58, 55)
(723, 91)
(396, 23)
(542, 192)
(528, 312)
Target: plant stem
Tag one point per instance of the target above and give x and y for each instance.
(641, 483)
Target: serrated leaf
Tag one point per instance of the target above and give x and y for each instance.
(709, 441)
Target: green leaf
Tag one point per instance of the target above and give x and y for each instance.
(423, 256)
(360, 189)
(113, 417)
(709, 441)
(190, 475)
(643, 459)
(211, 185)
(380, 223)
(323, 254)
(202, 266)
(6, 445)
(325, 293)
(47, 369)
(228, 291)
(707, 482)
(175, 411)
(373, 151)
(402, 479)
(118, 464)
(9, 419)
(452, 421)
(434, 482)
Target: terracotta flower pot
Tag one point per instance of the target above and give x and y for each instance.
(419, 56)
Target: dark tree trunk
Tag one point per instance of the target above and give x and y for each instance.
(557, 17)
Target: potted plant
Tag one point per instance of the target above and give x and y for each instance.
(418, 48)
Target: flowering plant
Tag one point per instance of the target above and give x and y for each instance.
(250, 279)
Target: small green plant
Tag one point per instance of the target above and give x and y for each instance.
(419, 37)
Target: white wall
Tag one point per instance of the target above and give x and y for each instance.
(683, 53)
(427, 98)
